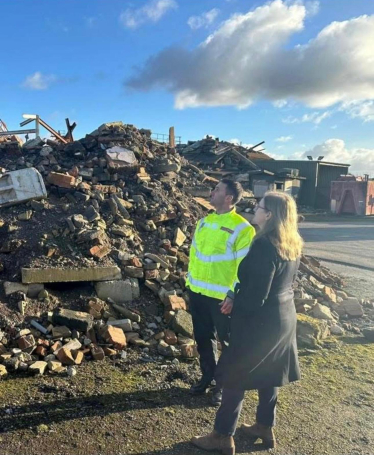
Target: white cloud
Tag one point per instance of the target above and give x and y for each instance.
(283, 138)
(360, 109)
(39, 81)
(204, 20)
(313, 117)
(280, 103)
(152, 11)
(249, 58)
(312, 7)
(336, 151)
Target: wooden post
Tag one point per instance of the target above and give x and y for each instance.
(171, 137)
(37, 126)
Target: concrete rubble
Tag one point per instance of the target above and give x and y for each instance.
(99, 266)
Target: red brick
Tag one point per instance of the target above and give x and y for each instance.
(26, 342)
(61, 180)
(56, 346)
(95, 308)
(78, 357)
(110, 352)
(65, 356)
(189, 351)
(41, 350)
(170, 337)
(105, 188)
(174, 302)
(100, 251)
(84, 186)
(115, 336)
(42, 342)
(136, 262)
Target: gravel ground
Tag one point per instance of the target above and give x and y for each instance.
(135, 408)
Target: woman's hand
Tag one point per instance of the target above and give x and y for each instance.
(226, 305)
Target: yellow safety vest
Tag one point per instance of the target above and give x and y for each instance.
(219, 245)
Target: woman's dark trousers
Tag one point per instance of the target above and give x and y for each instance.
(232, 401)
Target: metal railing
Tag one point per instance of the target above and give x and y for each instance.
(160, 137)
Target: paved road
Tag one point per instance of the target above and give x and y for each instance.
(346, 248)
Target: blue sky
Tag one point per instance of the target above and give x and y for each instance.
(87, 60)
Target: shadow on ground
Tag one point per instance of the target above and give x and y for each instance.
(56, 411)
(185, 448)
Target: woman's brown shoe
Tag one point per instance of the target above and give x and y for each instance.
(215, 441)
(266, 434)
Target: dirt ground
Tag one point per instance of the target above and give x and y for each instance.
(130, 407)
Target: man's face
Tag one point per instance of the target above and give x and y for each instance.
(218, 196)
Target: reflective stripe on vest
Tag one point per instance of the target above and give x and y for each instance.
(208, 286)
(229, 256)
(234, 236)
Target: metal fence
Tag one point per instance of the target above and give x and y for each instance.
(160, 137)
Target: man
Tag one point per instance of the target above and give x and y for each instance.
(220, 242)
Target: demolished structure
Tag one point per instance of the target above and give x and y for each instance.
(101, 262)
(225, 159)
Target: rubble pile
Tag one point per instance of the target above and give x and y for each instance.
(222, 159)
(100, 264)
(118, 216)
(324, 308)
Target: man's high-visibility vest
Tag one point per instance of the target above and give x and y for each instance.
(219, 244)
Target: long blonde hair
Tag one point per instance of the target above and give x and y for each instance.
(281, 228)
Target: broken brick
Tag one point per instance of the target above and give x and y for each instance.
(26, 342)
(179, 237)
(78, 357)
(61, 180)
(97, 353)
(189, 351)
(109, 351)
(170, 337)
(41, 351)
(114, 336)
(174, 302)
(65, 356)
(99, 251)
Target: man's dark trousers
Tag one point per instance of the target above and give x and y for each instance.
(208, 324)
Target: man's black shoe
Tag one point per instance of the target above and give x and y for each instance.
(201, 387)
(217, 397)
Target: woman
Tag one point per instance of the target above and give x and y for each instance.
(262, 353)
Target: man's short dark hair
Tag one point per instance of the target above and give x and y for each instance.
(233, 189)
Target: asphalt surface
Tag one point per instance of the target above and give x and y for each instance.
(346, 248)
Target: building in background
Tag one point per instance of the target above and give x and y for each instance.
(315, 190)
(287, 180)
(352, 196)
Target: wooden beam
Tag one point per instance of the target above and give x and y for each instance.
(52, 131)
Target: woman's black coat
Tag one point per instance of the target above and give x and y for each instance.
(262, 351)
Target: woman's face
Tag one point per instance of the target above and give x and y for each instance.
(262, 215)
